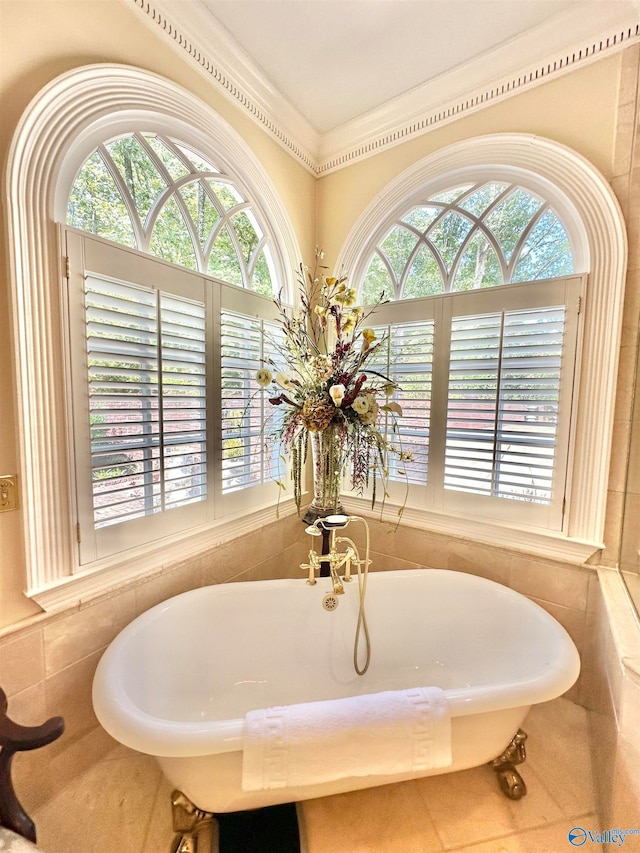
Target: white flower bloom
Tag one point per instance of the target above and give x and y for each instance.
(283, 379)
(264, 377)
(371, 415)
(361, 404)
(336, 392)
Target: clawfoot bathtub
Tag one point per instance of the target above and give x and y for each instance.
(177, 682)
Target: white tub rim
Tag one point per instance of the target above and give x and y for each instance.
(160, 737)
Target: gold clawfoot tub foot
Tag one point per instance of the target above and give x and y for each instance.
(511, 782)
(190, 824)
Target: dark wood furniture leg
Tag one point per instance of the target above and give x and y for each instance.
(16, 738)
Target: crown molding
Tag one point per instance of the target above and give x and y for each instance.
(570, 40)
(211, 49)
(488, 79)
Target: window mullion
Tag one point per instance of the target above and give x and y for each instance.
(191, 230)
(497, 418)
(262, 242)
(439, 396)
(161, 435)
(515, 255)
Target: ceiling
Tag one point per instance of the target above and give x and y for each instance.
(335, 60)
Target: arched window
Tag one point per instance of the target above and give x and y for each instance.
(500, 362)
(468, 237)
(498, 294)
(146, 415)
(128, 374)
(159, 195)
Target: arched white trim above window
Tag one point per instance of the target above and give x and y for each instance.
(59, 129)
(595, 226)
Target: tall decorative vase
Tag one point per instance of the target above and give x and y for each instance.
(326, 449)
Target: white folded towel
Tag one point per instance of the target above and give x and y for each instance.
(378, 734)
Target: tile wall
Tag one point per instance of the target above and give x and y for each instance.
(623, 506)
(614, 701)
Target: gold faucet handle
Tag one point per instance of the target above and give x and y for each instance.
(312, 567)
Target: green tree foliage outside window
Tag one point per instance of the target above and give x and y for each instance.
(157, 195)
(472, 236)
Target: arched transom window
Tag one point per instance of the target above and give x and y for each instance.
(156, 194)
(470, 236)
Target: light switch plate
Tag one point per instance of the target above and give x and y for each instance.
(8, 492)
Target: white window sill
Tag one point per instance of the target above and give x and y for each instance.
(108, 575)
(111, 574)
(551, 545)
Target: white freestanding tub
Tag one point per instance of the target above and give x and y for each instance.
(177, 682)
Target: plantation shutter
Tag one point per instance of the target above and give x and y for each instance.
(502, 414)
(486, 384)
(140, 339)
(407, 359)
(184, 413)
(509, 394)
(147, 400)
(248, 458)
(240, 352)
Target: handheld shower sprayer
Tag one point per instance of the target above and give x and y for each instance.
(335, 521)
(331, 561)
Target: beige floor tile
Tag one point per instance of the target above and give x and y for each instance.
(558, 750)
(160, 830)
(388, 819)
(468, 806)
(548, 839)
(105, 810)
(119, 752)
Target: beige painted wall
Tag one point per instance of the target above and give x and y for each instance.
(39, 40)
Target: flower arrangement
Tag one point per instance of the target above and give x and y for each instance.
(329, 391)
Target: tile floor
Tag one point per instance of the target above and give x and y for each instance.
(121, 805)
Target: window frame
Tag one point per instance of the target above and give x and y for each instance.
(60, 128)
(92, 255)
(586, 205)
(442, 311)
